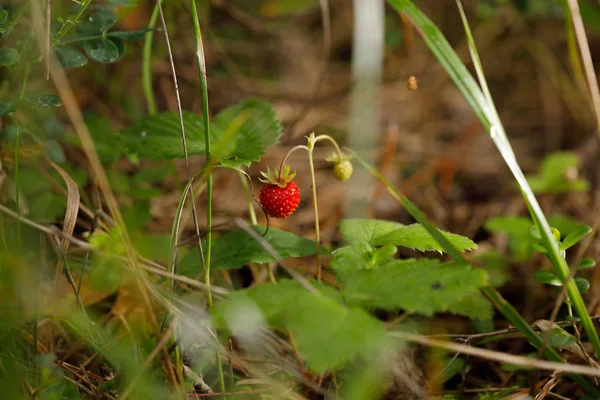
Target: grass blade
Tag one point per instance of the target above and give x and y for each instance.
(486, 112)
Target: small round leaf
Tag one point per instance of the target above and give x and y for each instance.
(103, 20)
(101, 50)
(8, 56)
(548, 278)
(586, 263)
(70, 58)
(131, 36)
(582, 284)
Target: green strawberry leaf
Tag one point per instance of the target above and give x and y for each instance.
(70, 58)
(8, 56)
(357, 232)
(327, 334)
(159, 136)
(420, 286)
(237, 248)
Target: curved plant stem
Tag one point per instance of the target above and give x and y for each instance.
(311, 146)
(332, 140)
(147, 63)
(209, 182)
(293, 149)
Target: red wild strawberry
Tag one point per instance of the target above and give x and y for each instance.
(280, 195)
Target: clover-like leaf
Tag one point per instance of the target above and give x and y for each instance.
(70, 58)
(8, 56)
(103, 20)
(102, 50)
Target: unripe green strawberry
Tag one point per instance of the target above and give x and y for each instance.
(342, 167)
(343, 170)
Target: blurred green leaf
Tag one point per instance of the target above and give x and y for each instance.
(548, 278)
(101, 50)
(559, 338)
(237, 248)
(575, 236)
(159, 136)
(130, 35)
(8, 56)
(554, 175)
(419, 286)
(586, 263)
(7, 108)
(46, 101)
(582, 284)
(70, 58)
(327, 334)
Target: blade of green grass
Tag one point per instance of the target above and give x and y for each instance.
(485, 110)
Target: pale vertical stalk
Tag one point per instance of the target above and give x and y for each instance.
(311, 147)
(588, 64)
(367, 65)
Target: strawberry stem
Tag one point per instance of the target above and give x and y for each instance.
(311, 146)
(332, 140)
(281, 167)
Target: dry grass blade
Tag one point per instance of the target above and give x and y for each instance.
(588, 64)
(71, 212)
(499, 356)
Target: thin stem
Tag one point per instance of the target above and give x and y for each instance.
(209, 182)
(311, 146)
(80, 39)
(293, 149)
(332, 140)
(147, 63)
(69, 24)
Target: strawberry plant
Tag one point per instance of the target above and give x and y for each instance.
(125, 271)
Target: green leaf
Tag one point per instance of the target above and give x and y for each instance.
(417, 238)
(559, 338)
(159, 136)
(102, 50)
(237, 248)
(7, 108)
(103, 20)
(46, 101)
(586, 263)
(548, 278)
(582, 284)
(475, 306)
(575, 236)
(554, 174)
(131, 35)
(328, 335)
(70, 58)
(420, 286)
(364, 233)
(8, 56)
